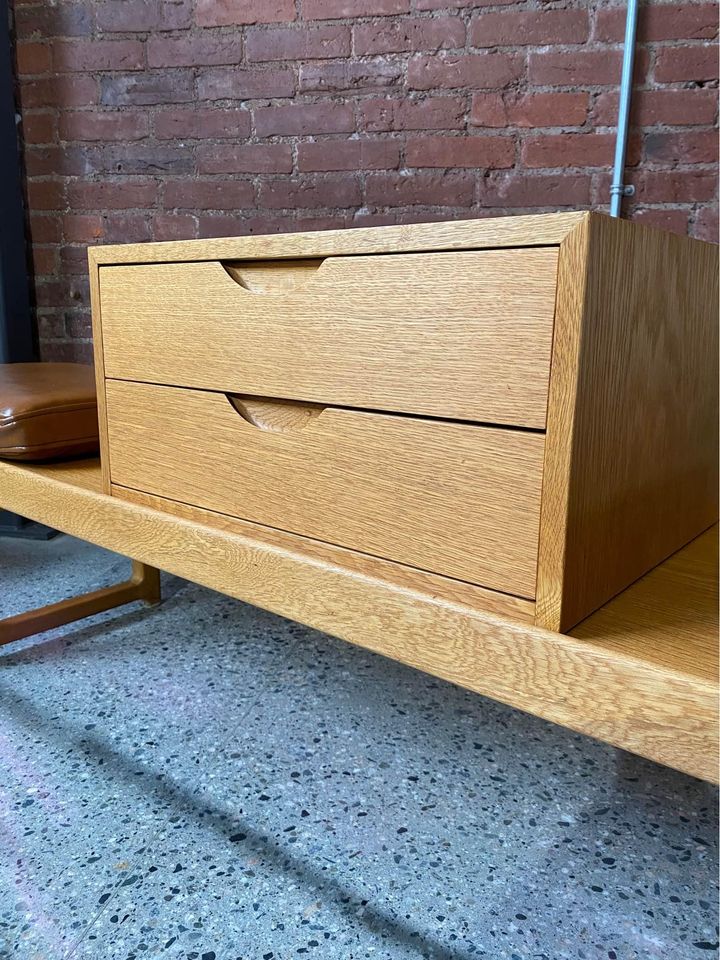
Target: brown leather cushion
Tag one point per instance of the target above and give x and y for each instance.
(47, 411)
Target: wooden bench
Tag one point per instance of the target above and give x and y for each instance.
(641, 673)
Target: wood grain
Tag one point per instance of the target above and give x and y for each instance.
(457, 335)
(674, 604)
(99, 360)
(631, 457)
(450, 498)
(535, 230)
(439, 588)
(626, 698)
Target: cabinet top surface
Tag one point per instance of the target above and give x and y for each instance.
(536, 230)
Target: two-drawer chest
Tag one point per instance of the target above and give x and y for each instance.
(515, 414)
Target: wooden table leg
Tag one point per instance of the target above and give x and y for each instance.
(144, 584)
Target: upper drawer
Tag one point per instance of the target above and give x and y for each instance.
(456, 335)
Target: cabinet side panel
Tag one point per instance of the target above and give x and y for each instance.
(98, 357)
(569, 312)
(643, 469)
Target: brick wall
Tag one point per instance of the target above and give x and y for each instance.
(158, 119)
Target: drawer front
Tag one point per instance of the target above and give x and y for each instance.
(455, 335)
(451, 498)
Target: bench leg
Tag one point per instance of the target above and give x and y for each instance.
(144, 584)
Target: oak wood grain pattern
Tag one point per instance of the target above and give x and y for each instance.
(451, 498)
(144, 584)
(99, 361)
(667, 715)
(271, 276)
(459, 335)
(676, 601)
(437, 587)
(542, 229)
(633, 409)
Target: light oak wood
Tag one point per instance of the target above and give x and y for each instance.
(462, 335)
(144, 585)
(451, 498)
(537, 230)
(659, 708)
(674, 604)
(99, 360)
(631, 457)
(272, 276)
(439, 588)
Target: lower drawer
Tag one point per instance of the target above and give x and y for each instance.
(452, 498)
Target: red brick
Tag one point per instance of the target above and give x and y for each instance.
(579, 67)
(527, 190)
(112, 194)
(102, 126)
(349, 155)
(73, 258)
(51, 325)
(201, 124)
(44, 228)
(686, 63)
(303, 194)
(53, 20)
(209, 194)
(484, 71)
(697, 21)
(83, 227)
(146, 89)
(303, 119)
(672, 219)
(39, 127)
(539, 27)
(339, 9)
(431, 189)
(349, 76)
(431, 113)
(244, 84)
(529, 110)
(682, 147)
(194, 50)
(692, 106)
(33, 58)
(89, 227)
(65, 161)
(46, 194)
(61, 292)
(461, 151)
(457, 4)
(706, 224)
(78, 56)
(221, 13)
(245, 158)
(569, 150)
(141, 16)
(306, 43)
(147, 159)
(174, 226)
(288, 223)
(85, 56)
(78, 324)
(59, 352)
(44, 260)
(673, 186)
(401, 36)
(65, 91)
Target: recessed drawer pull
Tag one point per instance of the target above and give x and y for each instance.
(272, 276)
(278, 416)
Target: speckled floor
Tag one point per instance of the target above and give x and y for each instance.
(205, 780)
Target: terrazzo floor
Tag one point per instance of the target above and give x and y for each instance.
(206, 781)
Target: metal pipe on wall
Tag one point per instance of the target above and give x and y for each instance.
(618, 189)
